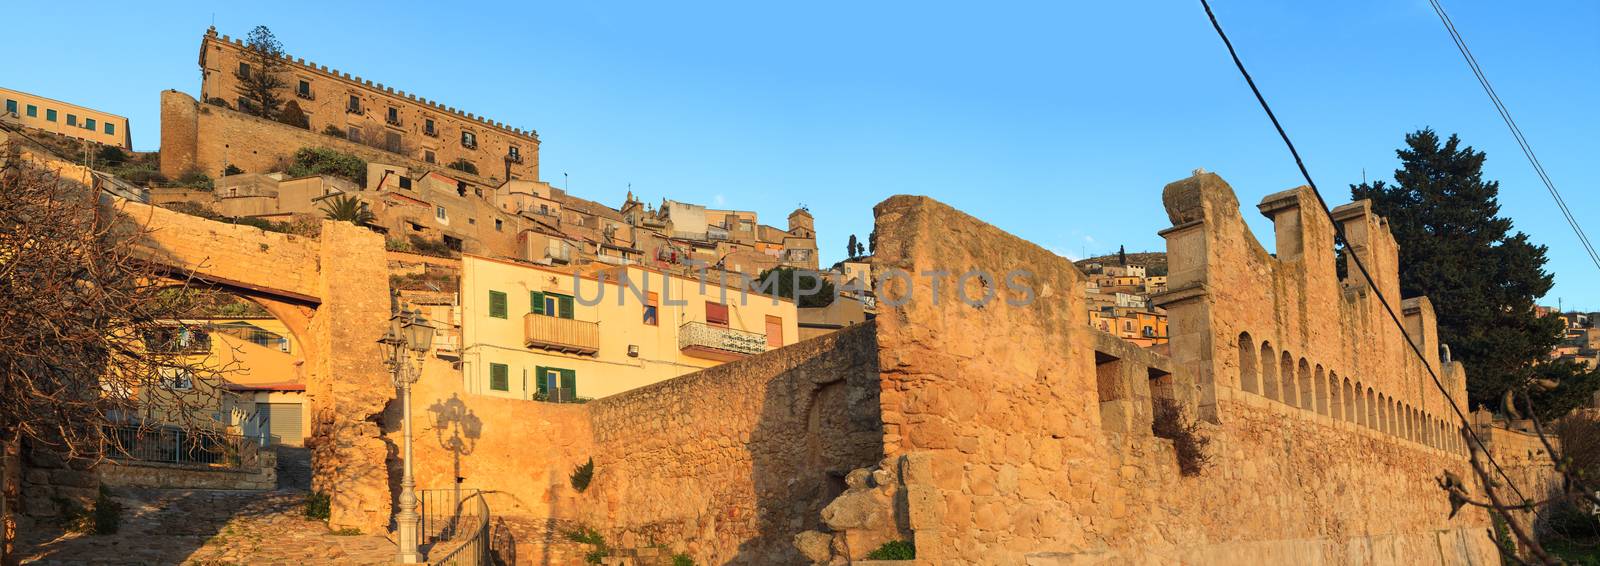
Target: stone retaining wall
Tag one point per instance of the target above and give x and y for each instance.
(121, 473)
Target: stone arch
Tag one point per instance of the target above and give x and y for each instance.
(1249, 365)
(1308, 394)
(1335, 399)
(1269, 372)
(1320, 378)
(1346, 397)
(1372, 409)
(332, 293)
(1286, 377)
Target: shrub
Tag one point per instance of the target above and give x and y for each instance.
(586, 535)
(461, 164)
(346, 532)
(218, 101)
(194, 180)
(111, 156)
(424, 246)
(316, 506)
(682, 560)
(292, 115)
(894, 550)
(139, 174)
(232, 169)
(582, 474)
(332, 130)
(1190, 446)
(323, 161)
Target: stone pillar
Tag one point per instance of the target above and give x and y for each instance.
(180, 127)
(349, 386)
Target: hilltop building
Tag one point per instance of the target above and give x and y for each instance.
(64, 118)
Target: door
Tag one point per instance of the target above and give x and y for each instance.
(284, 425)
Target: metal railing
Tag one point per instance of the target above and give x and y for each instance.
(172, 445)
(704, 340)
(455, 526)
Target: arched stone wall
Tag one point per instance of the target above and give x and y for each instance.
(333, 294)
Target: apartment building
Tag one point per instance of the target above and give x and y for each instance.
(51, 115)
(527, 332)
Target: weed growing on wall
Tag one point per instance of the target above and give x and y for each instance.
(1186, 440)
(894, 550)
(582, 474)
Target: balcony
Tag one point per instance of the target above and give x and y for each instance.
(514, 157)
(705, 341)
(561, 334)
(305, 94)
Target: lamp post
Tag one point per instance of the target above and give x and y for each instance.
(409, 335)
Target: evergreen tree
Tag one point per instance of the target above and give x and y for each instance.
(261, 81)
(1483, 279)
(852, 246)
(1122, 255)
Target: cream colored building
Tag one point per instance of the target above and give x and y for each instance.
(70, 120)
(254, 384)
(528, 334)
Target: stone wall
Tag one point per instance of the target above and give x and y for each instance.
(994, 425)
(729, 463)
(521, 452)
(208, 138)
(332, 294)
(121, 473)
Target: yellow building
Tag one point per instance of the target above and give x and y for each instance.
(254, 383)
(528, 334)
(70, 120)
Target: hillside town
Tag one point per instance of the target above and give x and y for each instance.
(369, 329)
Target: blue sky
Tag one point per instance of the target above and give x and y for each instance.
(1057, 121)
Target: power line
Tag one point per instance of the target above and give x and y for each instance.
(1339, 237)
(1516, 132)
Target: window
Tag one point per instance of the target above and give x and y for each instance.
(514, 154)
(497, 304)
(176, 379)
(774, 331)
(394, 116)
(439, 213)
(405, 182)
(556, 385)
(11, 106)
(303, 90)
(33, 111)
(716, 314)
(427, 127)
(244, 70)
(651, 309)
(50, 114)
(499, 377)
(354, 134)
(111, 128)
(550, 304)
(498, 225)
(427, 155)
(354, 106)
(72, 119)
(469, 140)
(391, 142)
(544, 209)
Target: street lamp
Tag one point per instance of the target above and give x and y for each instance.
(409, 335)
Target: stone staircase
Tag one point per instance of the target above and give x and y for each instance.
(525, 540)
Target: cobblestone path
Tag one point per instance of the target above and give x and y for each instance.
(207, 527)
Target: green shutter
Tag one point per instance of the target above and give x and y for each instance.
(565, 305)
(541, 387)
(537, 302)
(497, 304)
(499, 378)
(569, 382)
